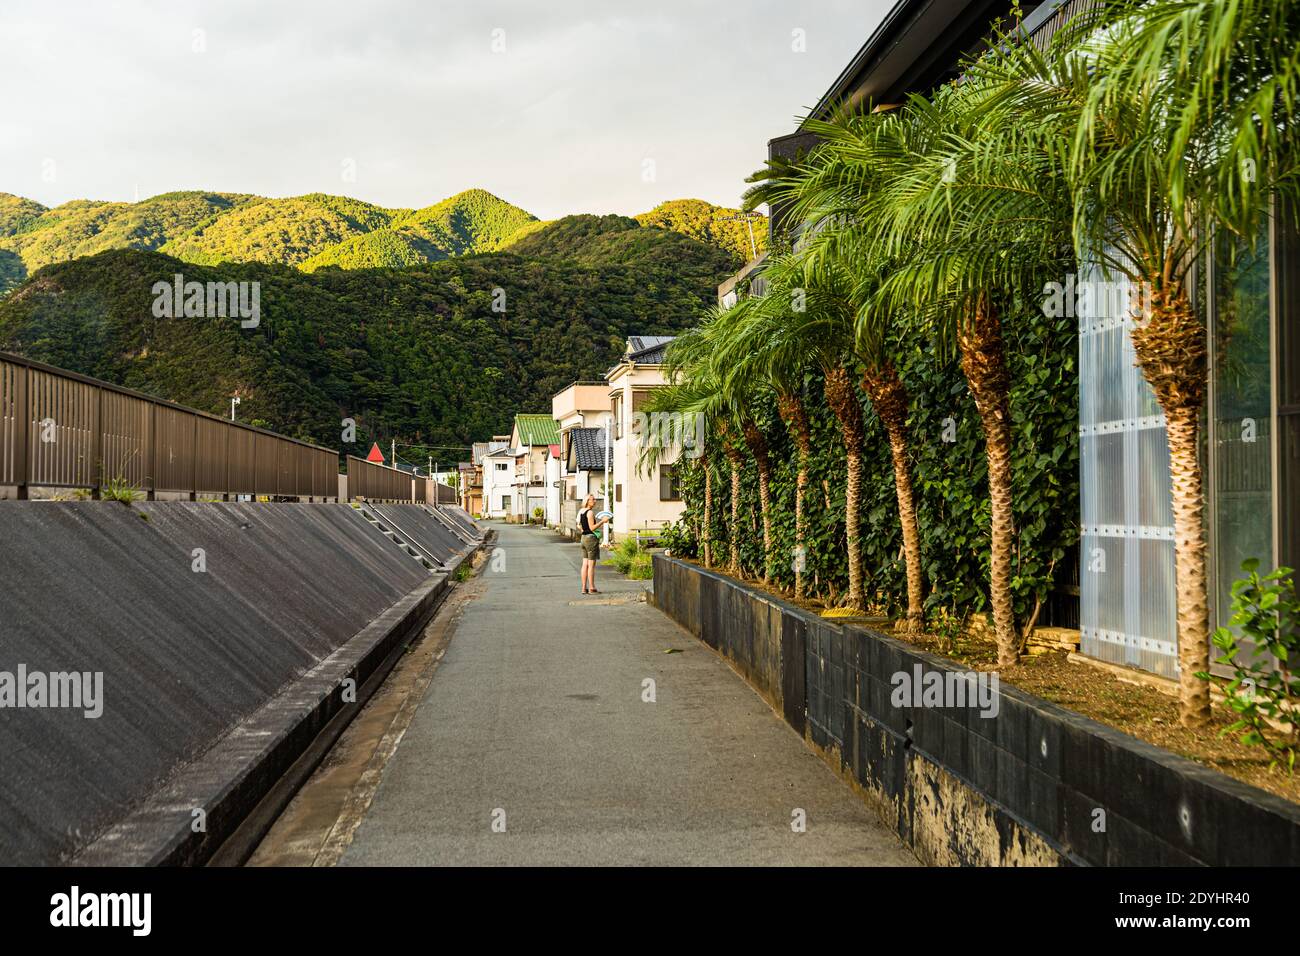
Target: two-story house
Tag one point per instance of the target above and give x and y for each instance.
(580, 411)
(640, 501)
(531, 440)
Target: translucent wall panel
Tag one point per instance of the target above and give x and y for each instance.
(1126, 578)
(1241, 398)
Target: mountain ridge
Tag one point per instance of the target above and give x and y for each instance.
(308, 232)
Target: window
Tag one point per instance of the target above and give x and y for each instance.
(617, 407)
(639, 398)
(502, 466)
(668, 490)
(505, 502)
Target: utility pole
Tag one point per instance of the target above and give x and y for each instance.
(392, 454)
(234, 400)
(609, 493)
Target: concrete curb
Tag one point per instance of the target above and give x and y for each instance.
(240, 771)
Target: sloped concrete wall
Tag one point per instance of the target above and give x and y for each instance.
(185, 654)
(414, 524)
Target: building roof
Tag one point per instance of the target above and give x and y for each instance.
(482, 448)
(646, 349)
(537, 430)
(917, 47)
(586, 449)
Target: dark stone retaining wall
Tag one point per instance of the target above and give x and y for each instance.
(1032, 785)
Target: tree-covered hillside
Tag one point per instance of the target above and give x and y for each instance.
(709, 223)
(419, 354)
(32, 236)
(314, 231)
(596, 240)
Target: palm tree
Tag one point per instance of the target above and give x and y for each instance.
(829, 194)
(959, 212)
(758, 350)
(1180, 123)
(812, 316)
(699, 390)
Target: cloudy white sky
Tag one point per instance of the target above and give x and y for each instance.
(555, 106)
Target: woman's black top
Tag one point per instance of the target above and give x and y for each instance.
(584, 521)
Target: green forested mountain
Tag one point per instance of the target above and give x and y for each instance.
(706, 222)
(32, 236)
(598, 240)
(310, 232)
(416, 353)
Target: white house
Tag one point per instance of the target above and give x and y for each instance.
(498, 482)
(531, 439)
(641, 502)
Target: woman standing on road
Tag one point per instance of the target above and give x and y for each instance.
(589, 524)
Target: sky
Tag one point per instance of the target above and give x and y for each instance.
(561, 107)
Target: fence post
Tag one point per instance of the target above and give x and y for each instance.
(23, 430)
(226, 487)
(153, 453)
(97, 446)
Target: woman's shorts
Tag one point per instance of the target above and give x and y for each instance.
(590, 547)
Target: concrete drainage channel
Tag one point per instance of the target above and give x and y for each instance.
(226, 679)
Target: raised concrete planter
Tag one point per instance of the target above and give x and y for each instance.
(1032, 784)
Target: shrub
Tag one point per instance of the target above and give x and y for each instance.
(628, 557)
(1262, 691)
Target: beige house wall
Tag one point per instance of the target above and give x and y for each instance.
(639, 507)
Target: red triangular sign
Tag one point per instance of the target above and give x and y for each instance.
(375, 454)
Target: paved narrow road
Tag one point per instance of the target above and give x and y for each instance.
(536, 719)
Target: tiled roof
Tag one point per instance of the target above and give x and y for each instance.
(647, 349)
(537, 429)
(586, 449)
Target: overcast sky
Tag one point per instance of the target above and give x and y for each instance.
(559, 107)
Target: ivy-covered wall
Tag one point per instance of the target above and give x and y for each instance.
(949, 472)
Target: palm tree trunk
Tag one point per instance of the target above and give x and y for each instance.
(733, 531)
(1171, 352)
(985, 365)
(708, 514)
(889, 399)
(758, 448)
(796, 419)
(843, 401)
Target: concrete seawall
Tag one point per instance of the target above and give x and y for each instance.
(196, 615)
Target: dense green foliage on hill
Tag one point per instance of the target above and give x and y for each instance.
(708, 223)
(598, 240)
(418, 354)
(40, 236)
(313, 231)
(474, 221)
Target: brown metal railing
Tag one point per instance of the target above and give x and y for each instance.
(59, 429)
(375, 482)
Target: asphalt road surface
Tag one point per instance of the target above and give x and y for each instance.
(563, 729)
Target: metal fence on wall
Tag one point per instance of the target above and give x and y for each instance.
(59, 429)
(380, 483)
